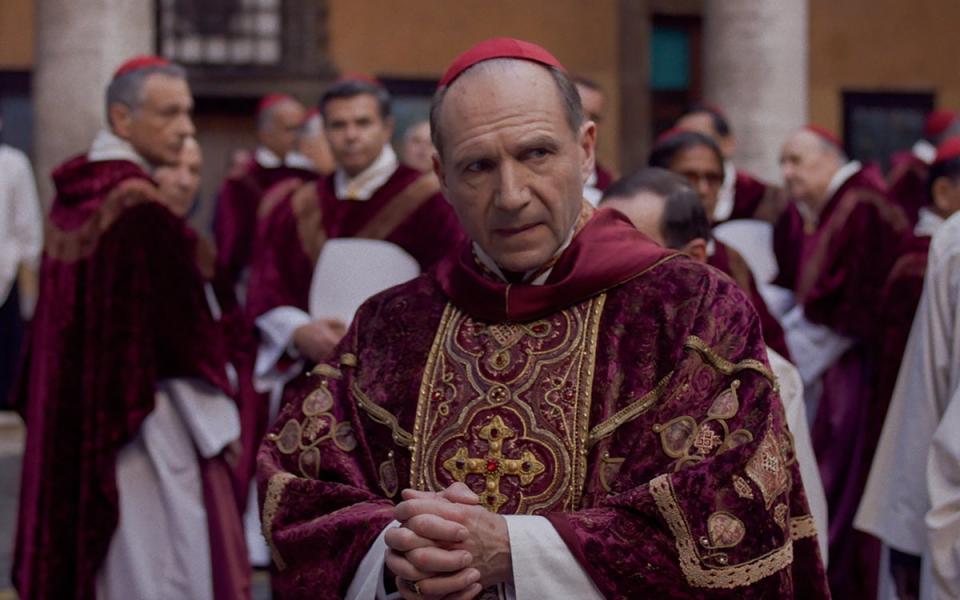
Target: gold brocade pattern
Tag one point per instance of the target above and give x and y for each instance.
(271, 503)
(725, 366)
(694, 566)
(318, 425)
(505, 408)
(803, 527)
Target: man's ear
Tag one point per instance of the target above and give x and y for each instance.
(389, 123)
(696, 249)
(587, 139)
(120, 117)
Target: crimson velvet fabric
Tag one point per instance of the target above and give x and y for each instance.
(630, 394)
(729, 261)
(407, 210)
(843, 262)
(907, 181)
(121, 306)
(235, 219)
(756, 199)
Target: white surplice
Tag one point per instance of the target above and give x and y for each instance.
(896, 499)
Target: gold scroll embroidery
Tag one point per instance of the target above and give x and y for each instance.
(271, 503)
(698, 574)
(725, 366)
(629, 413)
(319, 425)
(401, 437)
(768, 468)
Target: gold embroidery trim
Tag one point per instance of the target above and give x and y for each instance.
(325, 370)
(275, 486)
(725, 366)
(379, 414)
(424, 397)
(581, 441)
(697, 575)
(802, 527)
(629, 413)
(348, 359)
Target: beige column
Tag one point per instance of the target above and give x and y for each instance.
(79, 44)
(755, 69)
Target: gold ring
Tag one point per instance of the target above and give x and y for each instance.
(414, 587)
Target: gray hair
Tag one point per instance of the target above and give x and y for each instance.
(127, 89)
(572, 107)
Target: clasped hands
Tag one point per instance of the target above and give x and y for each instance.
(447, 546)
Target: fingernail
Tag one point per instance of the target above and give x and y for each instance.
(474, 576)
(466, 559)
(462, 535)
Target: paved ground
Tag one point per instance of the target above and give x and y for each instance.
(11, 449)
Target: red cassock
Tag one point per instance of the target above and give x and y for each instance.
(121, 306)
(627, 400)
(840, 267)
(898, 305)
(756, 199)
(907, 181)
(235, 220)
(729, 261)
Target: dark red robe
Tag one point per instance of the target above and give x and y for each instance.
(668, 476)
(604, 178)
(121, 306)
(235, 220)
(843, 262)
(756, 199)
(907, 181)
(898, 305)
(732, 263)
(407, 210)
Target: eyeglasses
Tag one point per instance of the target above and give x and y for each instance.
(711, 179)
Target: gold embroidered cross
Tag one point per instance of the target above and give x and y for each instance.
(493, 466)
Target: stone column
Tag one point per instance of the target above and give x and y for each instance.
(79, 44)
(755, 68)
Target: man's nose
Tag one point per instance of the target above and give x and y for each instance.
(511, 193)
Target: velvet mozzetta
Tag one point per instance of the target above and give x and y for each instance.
(121, 306)
(235, 221)
(407, 210)
(628, 400)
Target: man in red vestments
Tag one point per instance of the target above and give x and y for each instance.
(697, 158)
(842, 254)
(594, 102)
(741, 195)
(371, 196)
(910, 170)
(125, 490)
(279, 120)
(561, 408)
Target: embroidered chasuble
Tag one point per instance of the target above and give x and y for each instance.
(627, 400)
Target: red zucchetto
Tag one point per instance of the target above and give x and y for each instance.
(498, 48)
(948, 150)
(141, 62)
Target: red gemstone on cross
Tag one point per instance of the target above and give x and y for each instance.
(491, 466)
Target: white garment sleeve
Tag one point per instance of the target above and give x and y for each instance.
(943, 519)
(29, 221)
(813, 347)
(367, 582)
(276, 328)
(543, 566)
(210, 417)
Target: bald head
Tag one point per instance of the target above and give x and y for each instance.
(279, 124)
(808, 162)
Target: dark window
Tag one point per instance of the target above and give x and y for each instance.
(878, 124)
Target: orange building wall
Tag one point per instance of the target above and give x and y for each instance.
(16, 35)
(881, 45)
(419, 38)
